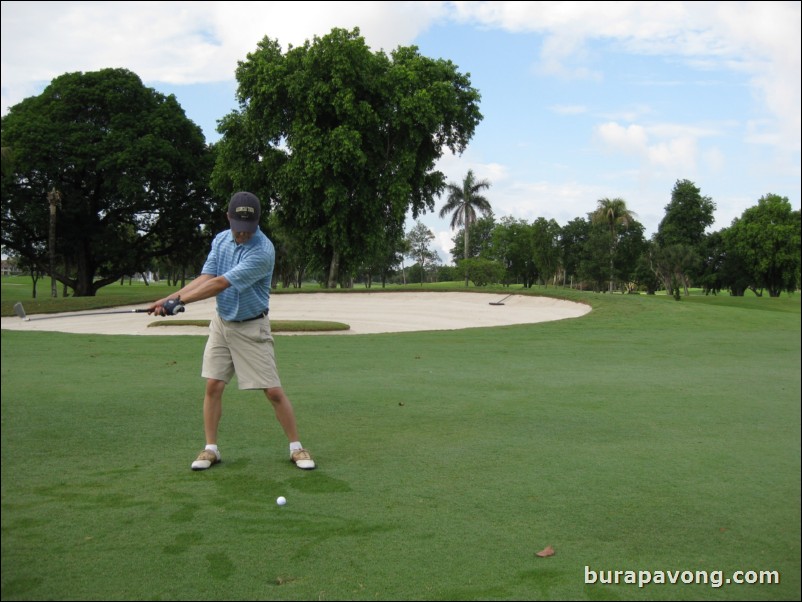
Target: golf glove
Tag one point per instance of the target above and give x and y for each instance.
(173, 307)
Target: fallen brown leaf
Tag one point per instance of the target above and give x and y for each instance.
(545, 552)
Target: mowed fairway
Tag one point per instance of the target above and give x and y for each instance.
(648, 435)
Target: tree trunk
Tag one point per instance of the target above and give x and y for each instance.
(467, 226)
(85, 274)
(334, 268)
(54, 196)
(63, 282)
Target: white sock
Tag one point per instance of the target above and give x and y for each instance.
(295, 445)
(211, 447)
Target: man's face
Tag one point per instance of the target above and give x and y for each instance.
(240, 237)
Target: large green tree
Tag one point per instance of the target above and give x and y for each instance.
(463, 202)
(765, 240)
(614, 215)
(343, 141)
(130, 170)
(687, 216)
(513, 246)
(632, 246)
(712, 257)
(573, 238)
(546, 247)
(680, 236)
(594, 265)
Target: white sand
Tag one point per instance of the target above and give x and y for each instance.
(365, 313)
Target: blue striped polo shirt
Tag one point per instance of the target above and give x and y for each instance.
(248, 268)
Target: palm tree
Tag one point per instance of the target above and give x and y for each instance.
(613, 213)
(463, 202)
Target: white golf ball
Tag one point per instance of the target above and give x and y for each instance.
(281, 500)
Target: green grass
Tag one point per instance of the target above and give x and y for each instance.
(648, 435)
(20, 288)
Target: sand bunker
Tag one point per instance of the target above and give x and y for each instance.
(365, 313)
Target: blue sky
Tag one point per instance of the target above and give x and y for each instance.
(581, 100)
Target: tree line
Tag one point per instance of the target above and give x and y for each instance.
(103, 178)
(608, 251)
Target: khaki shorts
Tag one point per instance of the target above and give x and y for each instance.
(244, 349)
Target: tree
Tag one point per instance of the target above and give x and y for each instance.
(681, 232)
(404, 249)
(546, 247)
(594, 265)
(766, 238)
(480, 236)
(713, 257)
(418, 241)
(734, 274)
(131, 170)
(343, 140)
(632, 246)
(384, 260)
(482, 271)
(573, 238)
(645, 273)
(513, 247)
(687, 216)
(462, 202)
(293, 257)
(613, 213)
(673, 264)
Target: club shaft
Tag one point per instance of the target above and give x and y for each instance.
(20, 311)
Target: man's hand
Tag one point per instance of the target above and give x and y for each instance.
(172, 307)
(167, 307)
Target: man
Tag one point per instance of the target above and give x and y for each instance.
(238, 271)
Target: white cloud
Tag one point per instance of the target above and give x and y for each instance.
(631, 139)
(444, 243)
(179, 42)
(678, 154)
(671, 147)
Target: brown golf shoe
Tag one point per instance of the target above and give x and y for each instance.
(302, 459)
(205, 459)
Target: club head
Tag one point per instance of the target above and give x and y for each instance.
(20, 311)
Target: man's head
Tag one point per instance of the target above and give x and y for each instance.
(244, 211)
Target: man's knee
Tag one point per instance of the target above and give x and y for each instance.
(214, 386)
(276, 395)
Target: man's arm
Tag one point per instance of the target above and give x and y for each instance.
(203, 287)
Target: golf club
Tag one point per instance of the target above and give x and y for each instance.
(20, 311)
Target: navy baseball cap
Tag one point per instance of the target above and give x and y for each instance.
(244, 211)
